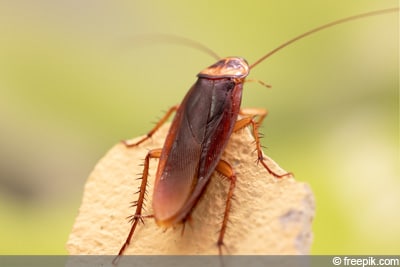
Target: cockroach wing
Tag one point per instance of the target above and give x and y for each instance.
(189, 155)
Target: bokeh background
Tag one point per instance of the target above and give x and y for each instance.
(74, 80)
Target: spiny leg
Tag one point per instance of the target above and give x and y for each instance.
(261, 113)
(226, 170)
(250, 114)
(155, 128)
(155, 153)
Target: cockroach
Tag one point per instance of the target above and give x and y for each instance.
(199, 133)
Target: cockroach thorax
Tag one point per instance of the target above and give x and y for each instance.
(229, 67)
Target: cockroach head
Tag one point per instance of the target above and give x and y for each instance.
(229, 67)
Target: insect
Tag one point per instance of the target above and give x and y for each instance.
(198, 135)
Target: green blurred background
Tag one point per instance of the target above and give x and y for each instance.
(74, 81)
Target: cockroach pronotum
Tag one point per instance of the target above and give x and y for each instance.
(199, 132)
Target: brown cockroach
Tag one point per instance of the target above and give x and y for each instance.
(198, 135)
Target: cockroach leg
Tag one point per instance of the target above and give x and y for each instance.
(249, 119)
(155, 128)
(259, 82)
(226, 170)
(261, 113)
(138, 217)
